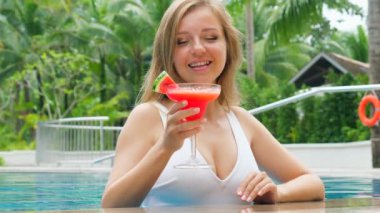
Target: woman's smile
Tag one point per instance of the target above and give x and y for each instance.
(200, 66)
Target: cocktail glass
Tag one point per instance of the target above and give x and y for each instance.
(196, 95)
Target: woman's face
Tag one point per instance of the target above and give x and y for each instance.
(200, 51)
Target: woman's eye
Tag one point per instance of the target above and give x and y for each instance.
(181, 42)
(212, 38)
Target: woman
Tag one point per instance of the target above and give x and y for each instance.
(197, 43)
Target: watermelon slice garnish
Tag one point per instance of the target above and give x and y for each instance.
(162, 81)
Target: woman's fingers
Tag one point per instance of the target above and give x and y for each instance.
(256, 184)
(177, 120)
(176, 115)
(248, 183)
(252, 187)
(267, 188)
(177, 128)
(243, 185)
(258, 189)
(177, 106)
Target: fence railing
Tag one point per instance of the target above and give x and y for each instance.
(76, 141)
(312, 92)
(86, 140)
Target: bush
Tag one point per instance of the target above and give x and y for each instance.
(318, 119)
(2, 161)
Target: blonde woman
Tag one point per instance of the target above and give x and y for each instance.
(197, 43)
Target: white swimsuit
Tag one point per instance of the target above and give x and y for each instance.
(180, 187)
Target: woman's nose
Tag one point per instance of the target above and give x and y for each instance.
(198, 47)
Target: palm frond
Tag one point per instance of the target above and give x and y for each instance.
(290, 19)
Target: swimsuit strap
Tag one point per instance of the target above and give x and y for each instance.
(163, 112)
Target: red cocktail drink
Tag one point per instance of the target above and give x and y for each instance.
(197, 95)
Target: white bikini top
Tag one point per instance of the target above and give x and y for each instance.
(184, 187)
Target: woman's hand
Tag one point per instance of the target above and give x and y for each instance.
(177, 128)
(258, 187)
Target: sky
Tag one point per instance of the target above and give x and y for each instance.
(346, 22)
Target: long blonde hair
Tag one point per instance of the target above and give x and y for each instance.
(165, 42)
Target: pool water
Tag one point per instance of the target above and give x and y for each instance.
(74, 191)
(350, 187)
(51, 191)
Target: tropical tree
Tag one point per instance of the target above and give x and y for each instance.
(350, 44)
(156, 9)
(277, 24)
(374, 71)
(17, 29)
(22, 27)
(357, 44)
(67, 82)
(250, 39)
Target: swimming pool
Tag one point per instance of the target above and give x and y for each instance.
(51, 191)
(74, 191)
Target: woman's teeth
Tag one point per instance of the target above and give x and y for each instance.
(199, 64)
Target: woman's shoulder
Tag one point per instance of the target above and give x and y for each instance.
(143, 118)
(245, 117)
(241, 113)
(144, 114)
(247, 121)
(146, 109)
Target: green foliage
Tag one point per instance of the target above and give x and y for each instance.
(318, 119)
(11, 140)
(286, 116)
(333, 117)
(7, 137)
(357, 43)
(56, 86)
(88, 58)
(112, 108)
(64, 80)
(281, 122)
(2, 161)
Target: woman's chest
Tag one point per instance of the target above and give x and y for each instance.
(219, 149)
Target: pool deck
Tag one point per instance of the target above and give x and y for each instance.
(24, 161)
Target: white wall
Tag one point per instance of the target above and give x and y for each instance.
(352, 155)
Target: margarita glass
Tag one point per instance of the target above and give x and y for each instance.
(197, 95)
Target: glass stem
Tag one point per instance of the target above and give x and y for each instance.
(193, 147)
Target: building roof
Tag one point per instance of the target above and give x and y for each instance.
(313, 74)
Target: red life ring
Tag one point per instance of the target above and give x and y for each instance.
(370, 122)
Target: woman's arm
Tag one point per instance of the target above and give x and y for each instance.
(298, 184)
(142, 152)
(138, 159)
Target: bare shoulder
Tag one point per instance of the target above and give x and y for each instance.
(246, 121)
(143, 124)
(244, 117)
(240, 111)
(139, 133)
(143, 114)
(144, 109)
(252, 127)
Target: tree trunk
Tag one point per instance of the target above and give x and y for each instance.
(103, 78)
(14, 110)
(374, 71)
(250, 40)
(40, 93)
